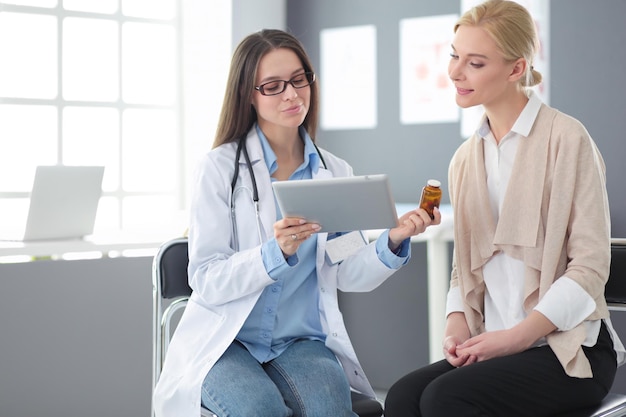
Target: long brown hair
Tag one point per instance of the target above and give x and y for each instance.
(238, 115)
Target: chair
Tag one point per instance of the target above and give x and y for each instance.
(170, 294)
(613, 405)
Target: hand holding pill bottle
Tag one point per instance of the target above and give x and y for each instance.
(431, 197)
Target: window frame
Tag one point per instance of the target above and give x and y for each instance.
(119, 194)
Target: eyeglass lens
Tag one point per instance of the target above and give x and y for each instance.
(272, 88)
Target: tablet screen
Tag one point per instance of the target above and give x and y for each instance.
(339, 204)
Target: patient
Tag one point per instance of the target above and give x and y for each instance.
(528, 331)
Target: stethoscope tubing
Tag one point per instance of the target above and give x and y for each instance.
(241, 147)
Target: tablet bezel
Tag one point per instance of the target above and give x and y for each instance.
(339, 204)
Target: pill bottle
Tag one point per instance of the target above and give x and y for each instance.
(431, 196)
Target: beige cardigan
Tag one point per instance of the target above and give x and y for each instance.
(554, 217)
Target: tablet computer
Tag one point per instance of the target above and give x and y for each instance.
(339, 204)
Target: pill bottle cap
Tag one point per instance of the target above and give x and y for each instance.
(434, 183)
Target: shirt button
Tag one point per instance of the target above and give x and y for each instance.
(334, 334)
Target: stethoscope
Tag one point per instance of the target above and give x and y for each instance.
(242, 147)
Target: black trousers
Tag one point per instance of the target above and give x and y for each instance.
(528, 384)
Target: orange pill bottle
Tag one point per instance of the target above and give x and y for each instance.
(431, 196)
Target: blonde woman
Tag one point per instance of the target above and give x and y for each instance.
(528, 332)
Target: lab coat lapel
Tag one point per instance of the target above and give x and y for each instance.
(267, 202)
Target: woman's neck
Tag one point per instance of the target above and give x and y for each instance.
(503, 115)
(289, 150)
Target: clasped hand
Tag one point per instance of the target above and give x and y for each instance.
(482, 347)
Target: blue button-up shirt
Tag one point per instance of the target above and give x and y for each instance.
(288, 309)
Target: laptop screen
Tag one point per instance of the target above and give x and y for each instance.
(64, 201)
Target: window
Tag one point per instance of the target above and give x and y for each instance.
(101, 83)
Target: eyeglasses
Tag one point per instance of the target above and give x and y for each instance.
(276, 87)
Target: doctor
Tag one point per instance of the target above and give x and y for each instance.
(262, 334)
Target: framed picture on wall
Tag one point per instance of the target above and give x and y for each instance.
(348, 84)
(426, 92)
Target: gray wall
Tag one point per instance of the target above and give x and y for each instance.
(409, 154)
(389, 326)
(587, 61)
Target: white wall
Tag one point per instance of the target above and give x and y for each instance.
(253, 15)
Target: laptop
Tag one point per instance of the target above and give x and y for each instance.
(63, 203)
(339, 204)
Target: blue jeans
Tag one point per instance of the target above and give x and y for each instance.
(304, 381)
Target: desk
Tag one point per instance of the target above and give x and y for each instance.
(76, 337)
(105, 244)
(437, 239)
(86, 322)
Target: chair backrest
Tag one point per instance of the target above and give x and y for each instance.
(169, 282)
(613, 405)
(615, 291)
(171, 262)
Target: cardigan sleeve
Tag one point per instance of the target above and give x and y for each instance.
(588, 228)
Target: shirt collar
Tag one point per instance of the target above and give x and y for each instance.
(524, 123)
(311, 157)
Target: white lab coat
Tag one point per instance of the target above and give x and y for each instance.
(226, 284)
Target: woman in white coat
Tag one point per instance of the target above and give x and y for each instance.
(262, 334)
